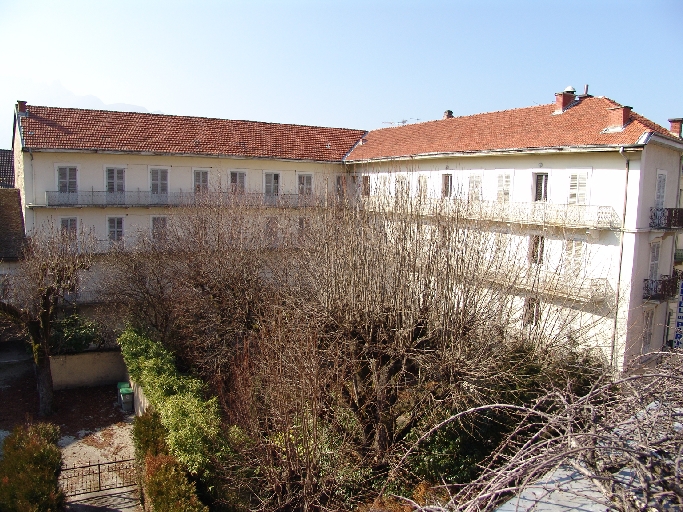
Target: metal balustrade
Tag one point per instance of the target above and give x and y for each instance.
(664, 288)
(666, 218)
(554, 284)
(531, 213)
(147, 198)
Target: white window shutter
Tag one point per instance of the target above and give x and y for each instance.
(661, 190)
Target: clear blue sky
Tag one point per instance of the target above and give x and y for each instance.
(355, 64)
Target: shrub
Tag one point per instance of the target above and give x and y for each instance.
(149, 436)
(73, 334)
(192, 423)
(30, 470)
(168, 488)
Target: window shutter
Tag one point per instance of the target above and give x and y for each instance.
(661, 190)
(163, 181)
(475, 187)
(541, 187)
(654, 261)
(503, 195)
(577, 188)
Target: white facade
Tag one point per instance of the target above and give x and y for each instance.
(579, 217)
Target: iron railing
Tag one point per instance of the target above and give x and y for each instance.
(567, 286)
(664, 288)
(97, 477)
(147, 198)
(666, 218)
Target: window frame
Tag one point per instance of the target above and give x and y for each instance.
(663, 174)
(446, 185)
(72, 230)
(307, 189)
(76, 167)
(235, 188)
(504, 187)
(115, 168)
(116, 228)
(151, 180)
(578, 200)
(203, 187)
(161, 231)
(265, 183)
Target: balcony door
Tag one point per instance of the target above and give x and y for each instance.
(115, 186)
(541, 187)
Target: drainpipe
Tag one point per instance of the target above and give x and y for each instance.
(621, 257)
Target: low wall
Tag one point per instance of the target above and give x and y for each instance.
(140, 402)
(87, 369)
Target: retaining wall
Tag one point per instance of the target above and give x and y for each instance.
(87, 369)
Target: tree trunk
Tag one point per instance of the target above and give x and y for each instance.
(41, 358)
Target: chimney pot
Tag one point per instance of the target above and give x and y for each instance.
(676, 126)
(619, 117)
(21, 106)
(448, 114)
(564, 99)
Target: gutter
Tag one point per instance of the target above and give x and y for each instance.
(194, 155)
(496, 152)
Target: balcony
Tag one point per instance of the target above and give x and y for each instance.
(147, 198)
(538, 213)
(664, 288)
(552, 284)
(666, 218)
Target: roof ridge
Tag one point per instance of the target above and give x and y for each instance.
(178, 116)
(465, 116)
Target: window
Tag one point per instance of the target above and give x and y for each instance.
(305, 184)
(69, 225)
(503, 193)
(272, 184)
(422, 190)
(159, 181)
(365, 186)
(446, 185)
(238, 182)
(532, 311)
(159, 228)
(201, 181)
(402, 187)
(66, 180)
(573, 256)
(340, 188)
(474, 189)
(654, 261)
(115, 229)
(577, 188)
(115, 180)
(661, 189)
(541, 187)
(536, 244)
(648, 321)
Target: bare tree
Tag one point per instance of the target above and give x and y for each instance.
(50, 269)
(622, 441)
(332, 335)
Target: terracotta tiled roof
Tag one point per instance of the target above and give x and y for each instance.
(11, 224)
(6, 168)
(525, 128)
(77, 129)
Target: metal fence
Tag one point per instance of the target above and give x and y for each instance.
(97, 477)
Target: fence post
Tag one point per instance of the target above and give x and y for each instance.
(99, 477)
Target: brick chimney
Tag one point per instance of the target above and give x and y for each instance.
(448, 114)
(618, 117)
(676, 126)
(564, 99)
(21, 106)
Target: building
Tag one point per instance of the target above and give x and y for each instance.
(584, 184)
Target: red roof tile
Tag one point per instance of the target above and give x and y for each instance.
(525, 128)
(77, 129)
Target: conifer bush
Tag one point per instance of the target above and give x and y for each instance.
(29, 470)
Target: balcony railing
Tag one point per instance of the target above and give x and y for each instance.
(530, 213)
(664, 288)
(678, 256)
(666, 218)
(147, 198)
(556, 285)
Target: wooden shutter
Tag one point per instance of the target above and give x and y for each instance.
(503, 194)
(661, 190)
(577, 188)
(474, 187)
(654, 261)
(541, 187)
(447, 188)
